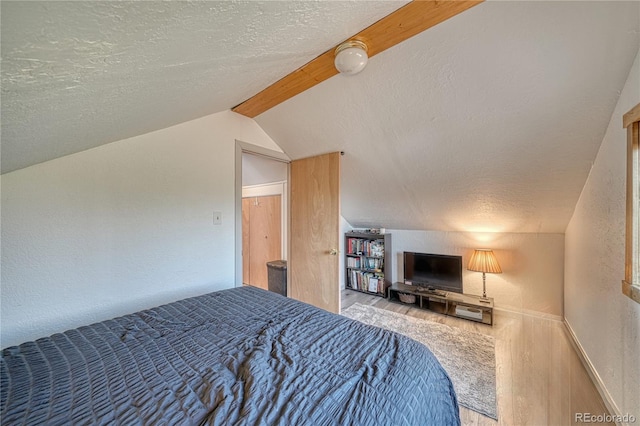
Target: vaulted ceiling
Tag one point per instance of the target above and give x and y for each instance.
(487, 122)
(76, 75)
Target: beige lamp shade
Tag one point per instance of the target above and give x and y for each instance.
(483, 260)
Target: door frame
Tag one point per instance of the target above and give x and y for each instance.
(247, 148)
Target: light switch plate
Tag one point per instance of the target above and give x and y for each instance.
(217, 218)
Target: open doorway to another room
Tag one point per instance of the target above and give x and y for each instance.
(264, 201)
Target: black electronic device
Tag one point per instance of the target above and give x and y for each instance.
(433, 271)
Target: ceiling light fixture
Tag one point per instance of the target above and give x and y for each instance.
(351, 57)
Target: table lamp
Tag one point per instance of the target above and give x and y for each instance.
(483, 260)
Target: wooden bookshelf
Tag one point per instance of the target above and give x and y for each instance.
(366, 258)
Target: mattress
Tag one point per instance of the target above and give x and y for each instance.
(240, 356)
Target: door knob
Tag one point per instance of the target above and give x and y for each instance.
(333, 252)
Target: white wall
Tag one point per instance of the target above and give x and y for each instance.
(344, 228)
(606, 323)
(121, 227)
(532, 265)
(257, 170)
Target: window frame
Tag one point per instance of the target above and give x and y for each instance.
(631, 281)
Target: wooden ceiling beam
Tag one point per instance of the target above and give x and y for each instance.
(409, 20)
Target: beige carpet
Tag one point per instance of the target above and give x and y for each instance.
(468, 357)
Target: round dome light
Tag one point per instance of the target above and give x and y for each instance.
(351, 57)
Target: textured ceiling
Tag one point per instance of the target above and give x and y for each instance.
(488, 122)
(76, 75)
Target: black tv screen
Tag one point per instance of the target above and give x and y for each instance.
(438, 271)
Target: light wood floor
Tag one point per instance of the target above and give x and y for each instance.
(539, 377)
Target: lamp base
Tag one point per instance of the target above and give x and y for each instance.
(484, 300)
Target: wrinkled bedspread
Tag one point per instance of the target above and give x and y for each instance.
(238, 356)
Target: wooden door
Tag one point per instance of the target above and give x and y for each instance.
(265, 237)
(314, 233)
(261, 237)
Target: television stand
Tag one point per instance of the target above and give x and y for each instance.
(466, 306)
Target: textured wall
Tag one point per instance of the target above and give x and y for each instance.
(606, 323)
(532, 265)
(487, 122)
(120, 227)
(258, 170)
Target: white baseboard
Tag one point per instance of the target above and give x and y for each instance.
(595, 377)
(528, 312)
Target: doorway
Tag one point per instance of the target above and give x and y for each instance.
(314, 220)
(264, 213)
(262, 237)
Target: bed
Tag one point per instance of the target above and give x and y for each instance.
(239, 356)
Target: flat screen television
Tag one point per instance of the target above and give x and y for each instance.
(434, 271)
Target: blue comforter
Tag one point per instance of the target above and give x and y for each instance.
(240, 356)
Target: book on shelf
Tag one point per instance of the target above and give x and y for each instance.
(353, 262)
(376, 248)
(366, 281)
(364, 247)
(373, 263)
(373, 284)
